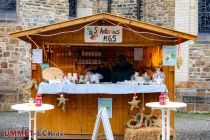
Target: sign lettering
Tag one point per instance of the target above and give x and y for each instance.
(103, 34)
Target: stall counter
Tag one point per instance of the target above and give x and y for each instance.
(108, 88)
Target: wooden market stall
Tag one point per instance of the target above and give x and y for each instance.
(65, 46)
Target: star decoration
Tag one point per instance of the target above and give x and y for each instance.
(134, 103)
(62, 100)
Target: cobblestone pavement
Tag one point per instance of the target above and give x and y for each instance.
(188, 126)
(12, 121)
(191, 126)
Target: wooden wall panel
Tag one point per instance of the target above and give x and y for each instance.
(81, 113)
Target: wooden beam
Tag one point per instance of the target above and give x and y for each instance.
(103, 44)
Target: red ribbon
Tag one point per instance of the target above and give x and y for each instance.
(179, 48)
(134, 95)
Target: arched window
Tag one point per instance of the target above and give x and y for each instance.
(8, 12)
(204, 16)
(72, 8)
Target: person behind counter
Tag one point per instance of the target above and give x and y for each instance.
(122, 70)
(105, 71)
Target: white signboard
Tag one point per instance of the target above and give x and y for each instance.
(102, 115)
(104, 34)
(36, 55)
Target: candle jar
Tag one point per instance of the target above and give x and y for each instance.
(31, 101)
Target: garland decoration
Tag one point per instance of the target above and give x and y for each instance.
(31, 83)
(126, 27)
(33, 41)
(62, 101)
(134, 122)
(134, 102)
(27, 89)
(142, 120)
(143, 108)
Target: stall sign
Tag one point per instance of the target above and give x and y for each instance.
(169, 55)
(103, 34)
(107, 103)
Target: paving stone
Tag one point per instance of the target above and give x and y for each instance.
(188, 126)
(192, 126)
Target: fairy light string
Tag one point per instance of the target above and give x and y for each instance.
(127, 28)
(138, 33)
(65, 32)
(53, 63)
(33, 41)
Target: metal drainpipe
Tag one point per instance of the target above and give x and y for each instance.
(138, 9)
(109, 6)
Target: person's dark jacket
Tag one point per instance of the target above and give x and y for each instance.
(105, 72)
(122, 71)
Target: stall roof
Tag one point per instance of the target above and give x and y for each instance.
(58, 27)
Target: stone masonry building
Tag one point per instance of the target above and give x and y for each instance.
(15, 56)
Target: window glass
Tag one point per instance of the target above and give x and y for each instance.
(204, 16)
(72, 8)
(8, 10)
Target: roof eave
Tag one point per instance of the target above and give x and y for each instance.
(151, 27)
(82, 20)
(57, 26)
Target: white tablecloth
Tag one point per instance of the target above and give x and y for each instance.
(31, 107)
(111, 88)
(168, 105)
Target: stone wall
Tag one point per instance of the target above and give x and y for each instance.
(187, 22)
(192, 79)
(196, 95)
(196, 92)
(159, 12)
(199, 65)
(125, 8)
(15, 56)
(85, 7)
(10, 53)
(34, 13)
(100, 6)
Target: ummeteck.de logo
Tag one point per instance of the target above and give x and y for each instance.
(17, 133)
(25, 133)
